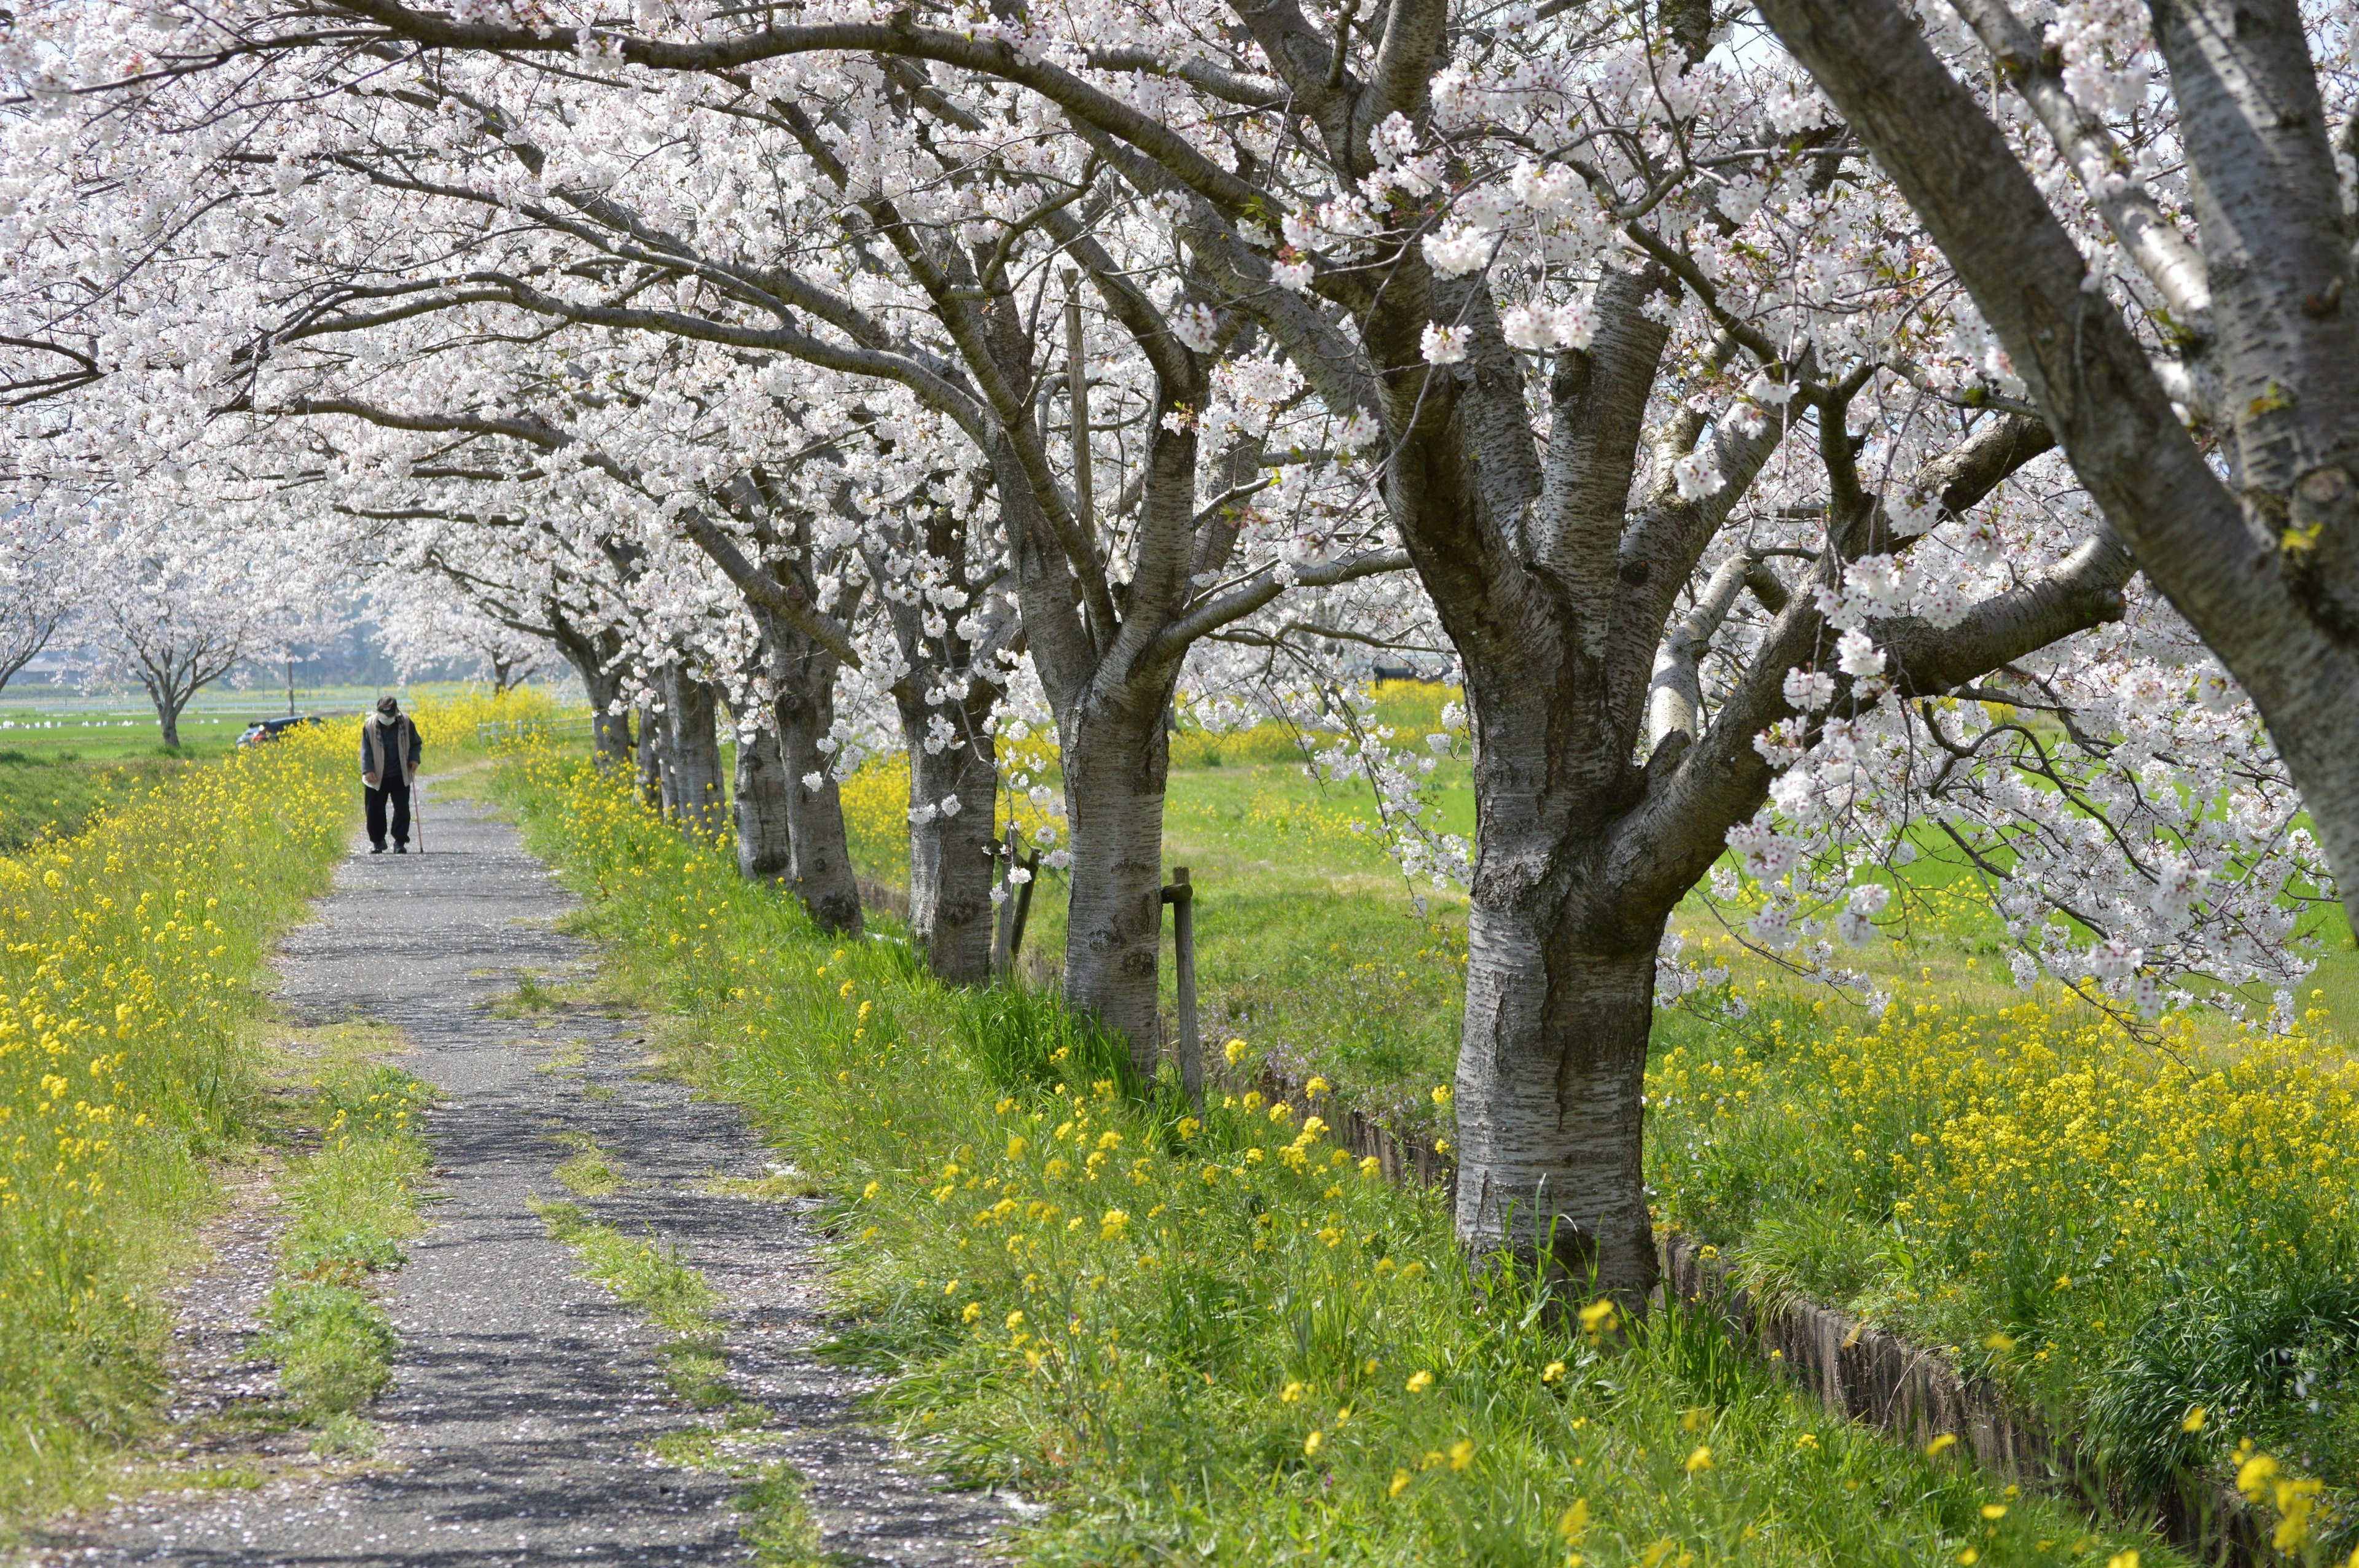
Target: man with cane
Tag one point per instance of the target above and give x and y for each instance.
(390, 750)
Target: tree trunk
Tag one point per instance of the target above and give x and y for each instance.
(951, 858)
(820, 868)
(610, 731)
(1116, 760)
(764, 844)
(692, 752)
(1551, 1072)
(168, 715)
(652, 793)
(610, 735)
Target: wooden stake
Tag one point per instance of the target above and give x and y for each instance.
(1023, 907)
(1181, 896)
(1002, 942)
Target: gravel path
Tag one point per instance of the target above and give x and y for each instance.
(524, 1398)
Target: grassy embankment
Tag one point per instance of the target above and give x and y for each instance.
(1226, 1339)
(132, 1064)
(2124, 1232)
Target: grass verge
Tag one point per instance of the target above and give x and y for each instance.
(2155, 1243)
(131, 1063)
(1219, 1339)
(353, 1203)
(2123, 1233)
(667, 1293)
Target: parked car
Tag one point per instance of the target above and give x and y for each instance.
(262, 729)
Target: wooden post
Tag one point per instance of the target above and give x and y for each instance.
(1003, 941)
(1181, 896)
(1023, 902)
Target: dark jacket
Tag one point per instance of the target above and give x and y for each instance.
(382, 738)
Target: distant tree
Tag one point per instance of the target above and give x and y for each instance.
(37, 574)
(171, 615)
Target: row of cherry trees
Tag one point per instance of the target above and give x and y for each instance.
(933, 377)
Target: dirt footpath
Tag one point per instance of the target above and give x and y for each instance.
(524, 1399)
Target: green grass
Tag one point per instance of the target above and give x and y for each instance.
(1312, 951)
(1309, 942)
(677, 1298)
(591, 1169)
(1218, 1342)
(352, 1204)
(779, 1527)
(666, 1292)
(54, 792)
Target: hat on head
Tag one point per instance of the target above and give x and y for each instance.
(388, 704)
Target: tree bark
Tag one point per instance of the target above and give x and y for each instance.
(691, 751)
(1551, 1077)
(610, 732)
(951, 858)
(820, 865)
(1116, 757)
(764, 837)
(948, 737)
(652, 793)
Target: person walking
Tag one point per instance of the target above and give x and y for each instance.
(390, 750)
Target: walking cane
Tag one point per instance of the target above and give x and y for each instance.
(418, 816)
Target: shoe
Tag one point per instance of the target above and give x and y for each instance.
(376, 849)
(401, 849)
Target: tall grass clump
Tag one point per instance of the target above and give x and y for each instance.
(128, 1062)
(2155, 1240)
(1219, 1338)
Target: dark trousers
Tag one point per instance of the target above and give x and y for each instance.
(398, 792)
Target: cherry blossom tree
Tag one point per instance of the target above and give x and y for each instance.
(40, 572)
(2157, 227)
(433, 628)
(1716, 486)
(1111, 959)
(171, 610)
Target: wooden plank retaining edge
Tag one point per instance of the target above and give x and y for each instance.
(1867, 1375)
